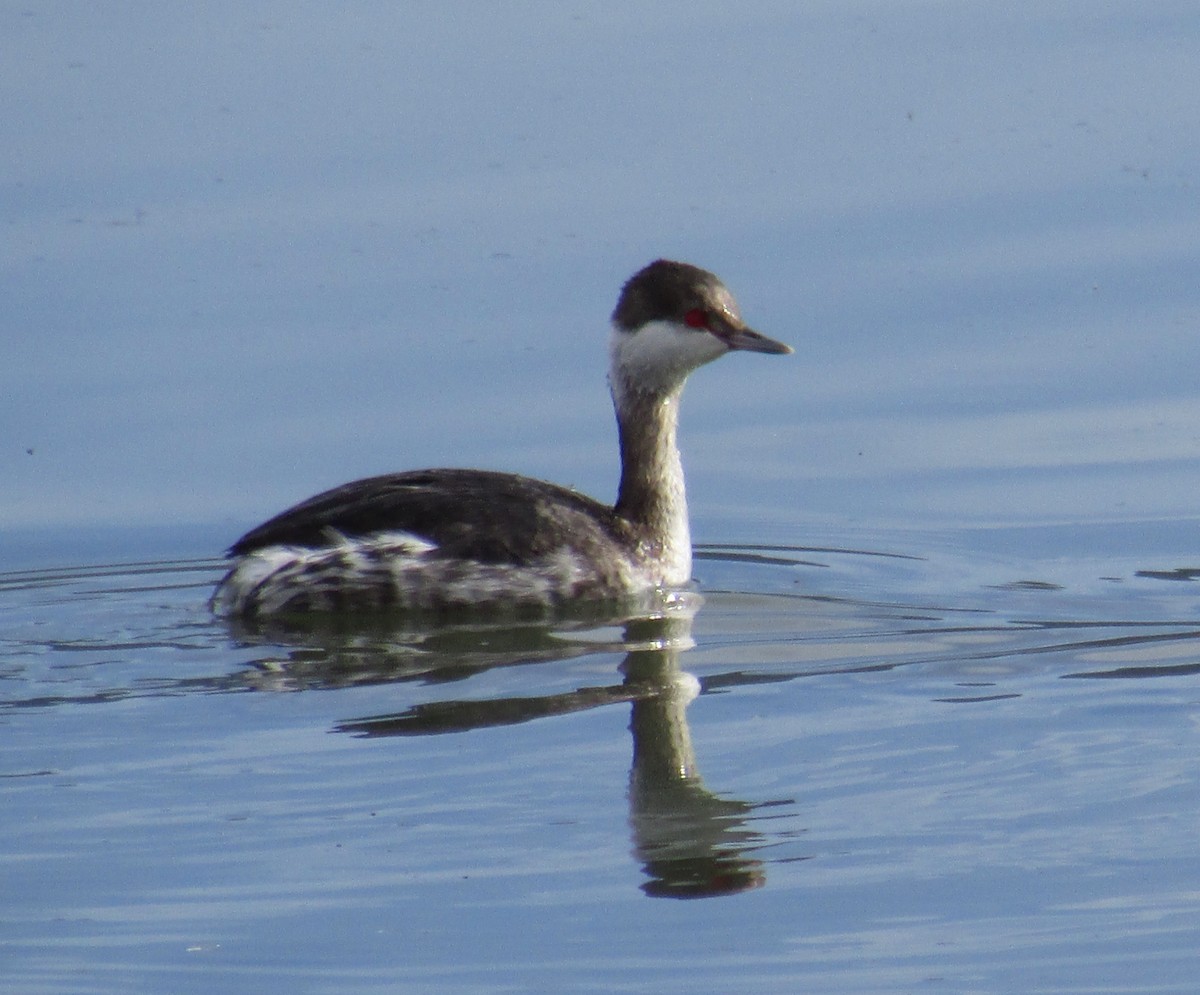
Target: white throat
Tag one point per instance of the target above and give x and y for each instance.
(656, 359)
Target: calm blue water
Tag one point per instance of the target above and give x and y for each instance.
(872, 791)
(934, 726)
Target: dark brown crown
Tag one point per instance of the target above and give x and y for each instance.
(666, 291)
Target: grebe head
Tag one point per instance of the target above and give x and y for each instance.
(670, 319)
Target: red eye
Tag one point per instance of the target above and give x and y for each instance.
(696, 318)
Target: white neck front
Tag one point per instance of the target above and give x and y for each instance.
(647, 373)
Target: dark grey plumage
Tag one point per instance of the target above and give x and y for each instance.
(437, 539)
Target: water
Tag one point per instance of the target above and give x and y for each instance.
(933, 727)
(828, 791)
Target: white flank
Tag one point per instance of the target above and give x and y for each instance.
(277, 578)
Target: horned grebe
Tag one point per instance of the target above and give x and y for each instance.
(435, 540)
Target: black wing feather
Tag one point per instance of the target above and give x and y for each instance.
(473, 514)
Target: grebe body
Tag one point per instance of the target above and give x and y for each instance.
(445, 539)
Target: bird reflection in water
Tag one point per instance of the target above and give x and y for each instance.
(691, 842)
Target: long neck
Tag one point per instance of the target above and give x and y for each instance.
(651, 496)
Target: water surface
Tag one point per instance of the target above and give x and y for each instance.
(835, 788)
(934, 726)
